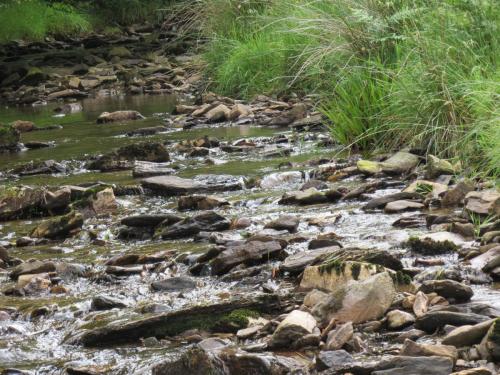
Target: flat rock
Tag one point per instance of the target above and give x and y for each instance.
(289, 223)
(173, 185)
(467, 335)
(399, 365)
(403, 205)
(106, 303)
(433, 320)
(333, 359)
(150, 169)
(486, 202)
(381, 202)
(299, 261)
(412, 349)
(174, 284)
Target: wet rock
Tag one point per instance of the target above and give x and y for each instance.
(324, 240)
(467, 335)
(106, 303)
(307, 197)
(174, 322)
(23, 126)
(397, 319)
(358, 301)
(381, 202)
(285, 118)
(30, 268)
(428, 189)
(275, 180)
(402, 205)
(490, 345)
(433, 320)
(124, 157)
(219, 113)
(69, 108)
(334, 272)
(44, 167)
(147, 131)
(399, 163)
(448, 289)
(296, 263)
(9, 139)
(335, 360)
(287, 222)
(413, 349)
(208, 221)
(174, 284)
(172, 185)
(119, 51)
(474, 371)
(68, 93)
(369, 167)
(414, 366)
(456, 195)
(436, 167)
(102, 202)
(489, 257)
(59, 228)
(151, 169)
(150, 221)
(435, 243)
(486, 202)
(35, 145)
(338, 337)
(465, 230)
(296, 325)
(198, 152)
(250, 253)
(317, 184)
(200, 202)
(239, 110)
(119, 116)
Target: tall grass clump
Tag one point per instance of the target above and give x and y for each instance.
(35, 19)
(418, 73)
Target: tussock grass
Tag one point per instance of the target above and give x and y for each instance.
(35, 19)
(419, 73)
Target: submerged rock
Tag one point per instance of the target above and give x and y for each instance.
(119, 116)
(173, 185)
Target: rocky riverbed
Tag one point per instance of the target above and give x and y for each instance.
(164, 235)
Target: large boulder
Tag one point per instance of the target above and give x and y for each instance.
(358, 301)
(296, 325)
(119, 116)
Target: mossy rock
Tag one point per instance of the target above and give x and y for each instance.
(34, 76)
(121, 52)
(427, 246)
(369, 167)
(9, 137)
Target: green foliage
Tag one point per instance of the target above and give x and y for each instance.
(35, 19)
(421, 73)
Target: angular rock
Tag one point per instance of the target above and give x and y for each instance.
(174, 284)
(208, 221)
(150, 221)
(297, 262)
(490, 345)
(358, 301)
(402, 205)
(335, 360)
(381, 202)
(59, 228)
(200, 202)
(287, 222)
(397, 319)
(399, 365)
(30, 268)
(467, 335)
(433, 320)
(277, 180)
(338, 337)
(413, 349)
(486, 202)
(218, 114)
(102, 302)
(172, 185)
(151, 169)
(250, 253)
(436, 167)
(448, 289)
(296, 325)
(306, 197)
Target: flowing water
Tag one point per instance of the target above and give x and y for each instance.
(37, 343)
